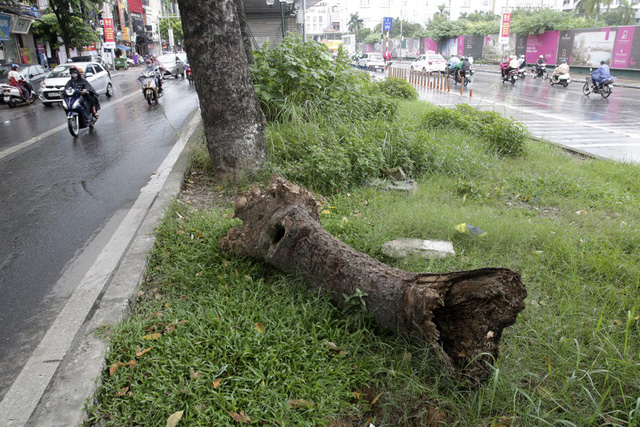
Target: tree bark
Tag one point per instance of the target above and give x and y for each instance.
(462, 313)
(216, 40)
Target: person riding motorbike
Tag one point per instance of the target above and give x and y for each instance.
(89, 94)
(563, 68)
(451, 63)
(539, 63)
(601, 74)
(16, 79)
(152, 67)
(465, 67)
(523, 62)
(513, 65)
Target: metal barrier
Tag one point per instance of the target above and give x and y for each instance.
(436, 81)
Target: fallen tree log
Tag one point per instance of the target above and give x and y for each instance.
(462, 313)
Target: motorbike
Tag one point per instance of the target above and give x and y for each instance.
(78, 115)
(560, 79)
(604, 89)
(150, 89)
(459, 78)
(13, 96)
(540, 71)
(511, 76)
(521, 72)
(189, 74)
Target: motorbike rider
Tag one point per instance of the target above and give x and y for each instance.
(451, 64)
(563, 68)
(16, 79)
(465, 68)
(601, 74)
(89, 94)
(539, 63)
(523, 63)
(152, 67)
(513, 64)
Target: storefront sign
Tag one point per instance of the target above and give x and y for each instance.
(505, 28)
(135, 6)
(5, 26)
(109, 36)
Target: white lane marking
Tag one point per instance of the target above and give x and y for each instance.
(26, 391)
(633, 144)
(23, 145)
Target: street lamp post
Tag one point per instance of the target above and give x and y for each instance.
(271, 3)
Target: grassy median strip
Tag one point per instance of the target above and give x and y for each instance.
(227, 340)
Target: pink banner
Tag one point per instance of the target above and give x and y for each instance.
(430, 45)
(544, 44)
(460, 45)
(622, 48)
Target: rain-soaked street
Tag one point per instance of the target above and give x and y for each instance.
(591, 124)
(63, 197)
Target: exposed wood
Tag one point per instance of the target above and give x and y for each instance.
(463, 313)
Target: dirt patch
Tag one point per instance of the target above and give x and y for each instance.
(201, 192)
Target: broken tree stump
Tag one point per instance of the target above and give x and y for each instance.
(464, 312)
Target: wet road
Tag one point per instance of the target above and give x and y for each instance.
(61, 198)
(608, 128)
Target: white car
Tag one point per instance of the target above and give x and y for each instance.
(172, 64)
(371, 61)
(429, 63)
(94, 73)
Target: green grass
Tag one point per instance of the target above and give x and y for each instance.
(570, 226)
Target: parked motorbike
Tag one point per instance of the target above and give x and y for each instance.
(604, 89)
(560, 79)
(150, 89)
(78, 115)
(189, 74)
(540, 71)
(13, 96)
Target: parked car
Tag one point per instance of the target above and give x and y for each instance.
(94, 73)
(172, 64)
(371, 61)
(429, 63)
(33, 73)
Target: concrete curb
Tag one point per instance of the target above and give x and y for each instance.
(76, 379)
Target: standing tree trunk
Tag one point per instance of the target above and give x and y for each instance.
(217, 44)
(464, 312)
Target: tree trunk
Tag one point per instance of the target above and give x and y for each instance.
(464, 312)
(216, 41)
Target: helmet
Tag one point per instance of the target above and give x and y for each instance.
(74, 70)
(522, 56)
(148, 61)
(602, 62)
(541, 56)
(14, 66)
(564, 61)
(512, 57)
(462, 58)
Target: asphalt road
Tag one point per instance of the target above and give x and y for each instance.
(606, 128)
(61, 199)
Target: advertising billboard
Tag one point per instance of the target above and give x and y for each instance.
(544, 44)
(460, 45)
(592, 45)
(565, 45)
(5, 26)
(430, 45)
(622, 48)
(135, 6)
(109, 35)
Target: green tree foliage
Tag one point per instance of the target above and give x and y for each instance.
(622, 15)
(539, 21)
(70, 19)
(409, 29)
(354, 23)
(362, 34)
(442, 28)
(174, 23)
